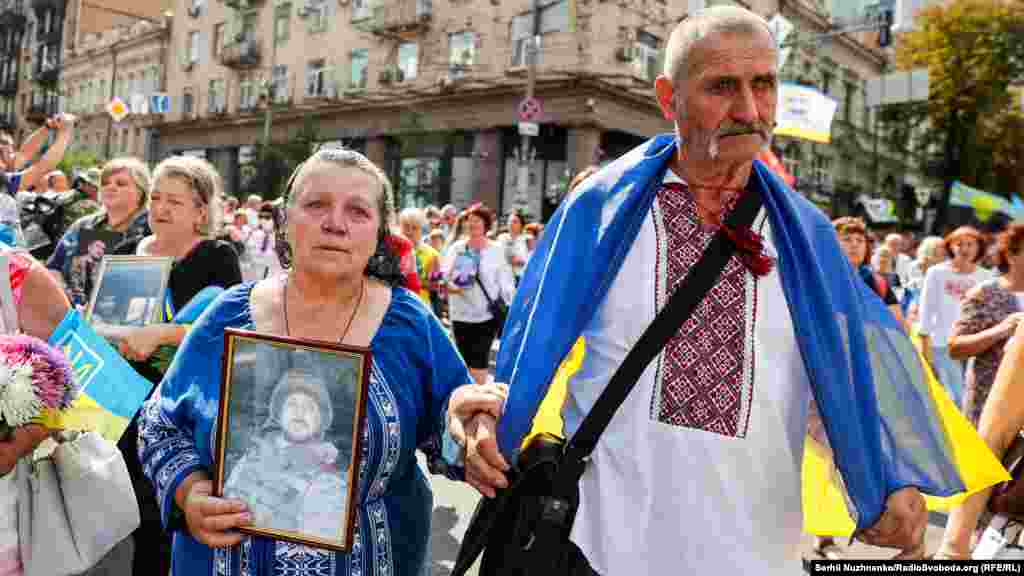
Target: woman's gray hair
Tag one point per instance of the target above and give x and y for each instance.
(927, 246)
(202, 178)
(384, 264)
(700, 25)
(136, 169)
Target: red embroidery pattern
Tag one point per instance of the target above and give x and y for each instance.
(705, 382)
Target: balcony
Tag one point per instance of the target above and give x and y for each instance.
(41, 107)
(241, 54)
(403, 18)
(45, 69)
(9, 84)
(241, 4)
(12, 14)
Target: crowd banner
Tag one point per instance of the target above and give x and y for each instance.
(805, 113)
(983, 203)
(112, 392)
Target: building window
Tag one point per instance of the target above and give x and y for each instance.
(282, 23)
(461, 50)
(187, 103)
(248, 93)
(318, 79)
(216, 102)
(360, 58)
(218, 39)
(279, 83)
(520, 34)
(316, 15)
(647, 56)
(361, 10)
(408, 60)
(193, 47)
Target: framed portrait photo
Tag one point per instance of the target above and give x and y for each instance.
(129, 290)
(289, 434)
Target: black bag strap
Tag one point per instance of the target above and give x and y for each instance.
(490, 301)
(690, 292)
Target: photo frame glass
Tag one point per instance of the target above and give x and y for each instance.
(289, 435)
(129, 290)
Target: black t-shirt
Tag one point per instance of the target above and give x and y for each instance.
(210, 263)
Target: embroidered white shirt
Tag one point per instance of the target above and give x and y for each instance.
(699, 471)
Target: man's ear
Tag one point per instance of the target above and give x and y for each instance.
(665, 92)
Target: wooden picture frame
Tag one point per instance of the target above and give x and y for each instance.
(289, 435)
(129, 290)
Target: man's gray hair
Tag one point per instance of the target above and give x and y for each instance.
(702, 24)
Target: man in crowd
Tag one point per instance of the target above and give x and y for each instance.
(699, 471)
(900, 261)
(449, 213)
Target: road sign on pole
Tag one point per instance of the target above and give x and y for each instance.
(530, 109)
(529, 129)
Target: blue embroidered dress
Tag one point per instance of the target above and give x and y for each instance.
(414, 370)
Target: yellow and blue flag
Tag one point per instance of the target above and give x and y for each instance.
(112, 392)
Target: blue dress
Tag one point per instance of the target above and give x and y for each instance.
(415, 368)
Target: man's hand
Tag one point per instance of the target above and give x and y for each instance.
(902, 525)
(473, 413)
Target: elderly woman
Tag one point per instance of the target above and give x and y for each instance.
(479, 275)
(124, 188)
(514, 242)
(343, 285)
(989, 314)
(182, 211)
(1001, 420)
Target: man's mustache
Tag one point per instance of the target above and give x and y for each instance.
(761, 129)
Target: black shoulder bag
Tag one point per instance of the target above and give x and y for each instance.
(497, 306)
(525, 529)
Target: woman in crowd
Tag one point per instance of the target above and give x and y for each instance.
(514, 242)
(183, 209)
(989, 314)
(124, 188)
(261, 260)
(885, 270)
(944, 286)
(1000, 422)
(412, 222)
(342, 284)
(479, 275)
(930, 251)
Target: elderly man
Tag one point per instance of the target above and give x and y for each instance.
(699, 470)
(900, 261)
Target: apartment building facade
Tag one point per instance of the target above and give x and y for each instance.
(126, 62)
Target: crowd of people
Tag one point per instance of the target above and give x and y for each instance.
(778, 349)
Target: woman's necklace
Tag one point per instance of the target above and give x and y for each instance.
(287, 330)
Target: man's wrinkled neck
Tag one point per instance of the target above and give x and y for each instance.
(711, 181)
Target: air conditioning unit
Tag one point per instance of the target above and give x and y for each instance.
(625, 53)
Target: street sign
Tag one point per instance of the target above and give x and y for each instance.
(529, 129)
(530, 110)
(160, 103)
(117, 109)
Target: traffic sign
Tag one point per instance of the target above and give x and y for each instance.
(529, 129)
(530, 110)
(117, 109)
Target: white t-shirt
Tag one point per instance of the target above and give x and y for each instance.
(677, 485)
(940, 299)
(464, 265)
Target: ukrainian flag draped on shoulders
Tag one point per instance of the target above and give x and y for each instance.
(885, 419)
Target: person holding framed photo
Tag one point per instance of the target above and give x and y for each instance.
(182, 209)
(342, 284)
(124, 192)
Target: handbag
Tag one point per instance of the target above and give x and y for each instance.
(1008, 498)
(498, 308)
(74, 504)
(524, 530)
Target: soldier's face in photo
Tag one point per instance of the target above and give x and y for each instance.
(300, 418)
